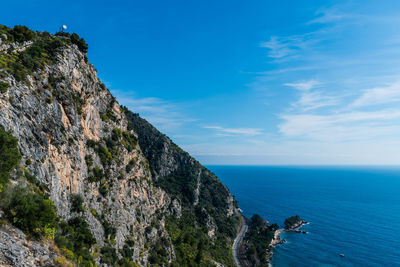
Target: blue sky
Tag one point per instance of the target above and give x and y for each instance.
(247, 82)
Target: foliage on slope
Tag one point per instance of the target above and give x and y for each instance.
(258, 238)
(292, 221)
(28, 207)
(205, 200)
(193, 246)
(41, 53)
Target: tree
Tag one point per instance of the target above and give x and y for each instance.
(9, 155)
(29, 211)
(80, 42)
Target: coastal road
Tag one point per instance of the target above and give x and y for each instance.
(238, 239)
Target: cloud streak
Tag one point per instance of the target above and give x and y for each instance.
(314, 100)
(303, 85)
(350, 126)
(379, 96)
(166, 116)
(235, 131)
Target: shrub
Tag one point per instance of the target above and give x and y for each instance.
(76, 201)
(103, 189)
(94, 212)
(33, 58)
(89, 160)
(9, 155)
(76, 237)
(129, 141)
(130, 165)
(38, 186)
(126, 252)
(79, 42)
(103, 152)
(109, 230)
(4, 87)
(30, 212)
(22, 34)
(108, 255)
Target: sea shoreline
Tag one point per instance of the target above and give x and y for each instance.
(277, 238)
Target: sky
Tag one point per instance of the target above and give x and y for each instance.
(247, 82)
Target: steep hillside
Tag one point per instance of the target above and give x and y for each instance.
(113, 190)
(207, 205)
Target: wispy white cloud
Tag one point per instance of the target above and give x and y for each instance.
(235, 131)
(310, 98)
(329, 15)
(344, 115)
(336, 14)
(379, 95)
(350, 126)
(292, 47)
(314, 100)
(279, 48)
(165, 115)
(288, 47)
(303, 85)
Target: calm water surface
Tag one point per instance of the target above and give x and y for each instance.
(353, 211)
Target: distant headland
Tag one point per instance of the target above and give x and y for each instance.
(257, 238)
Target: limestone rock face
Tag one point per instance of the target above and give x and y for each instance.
(16, 250)
(53, 135)
(77, 140)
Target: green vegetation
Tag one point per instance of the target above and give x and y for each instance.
(77, 203)
(129, 141)
(189, 234)
(109, 255)
(35, 57)
(75, 39)
(80, 42)
(111, 151)
(66, 97)
(4, 87)
(292, 221)
(108, 115)
(75, 239)
(109, 230)
(158, 253)
(126, 252)
(33, 213)
(9, 155)
(103, 189)
(192, 245)
(97, 175)
(89, 161)
(17, 34)
(259, 237)
(30, 210)
(38, 187)
(179, 185)
(212, 199)
(103, 152)
(130, 165)
(39, 54)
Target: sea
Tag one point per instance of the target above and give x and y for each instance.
(354, 211)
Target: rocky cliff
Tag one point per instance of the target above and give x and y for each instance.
(141, 199)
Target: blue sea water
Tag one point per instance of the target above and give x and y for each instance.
(353, 211)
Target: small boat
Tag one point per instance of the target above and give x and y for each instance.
(341, 255)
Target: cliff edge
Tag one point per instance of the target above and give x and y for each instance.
(122, 193)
